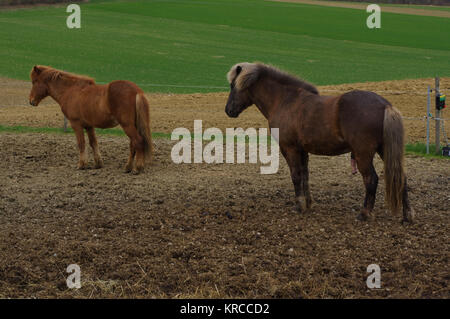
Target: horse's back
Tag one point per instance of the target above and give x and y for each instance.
(122, 100)
(318, 129)
(120, 91)
(361, 116)
(107, 105)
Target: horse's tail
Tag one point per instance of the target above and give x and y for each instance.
(393, 149)
(143, 124)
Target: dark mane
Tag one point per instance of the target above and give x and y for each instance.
(50, 74)
(284, 78)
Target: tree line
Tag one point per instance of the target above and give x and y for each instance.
(31, 2)
(422, 2)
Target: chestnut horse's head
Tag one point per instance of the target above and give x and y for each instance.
(240, 77)
(39, 91)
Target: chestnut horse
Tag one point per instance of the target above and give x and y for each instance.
(88, 105)
(360, 122)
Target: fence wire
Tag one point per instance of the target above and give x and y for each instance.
(227, 87)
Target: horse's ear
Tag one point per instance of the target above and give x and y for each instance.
(238, 70)
(37, 70)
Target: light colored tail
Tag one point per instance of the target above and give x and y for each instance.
(143, 124)
(393, 152)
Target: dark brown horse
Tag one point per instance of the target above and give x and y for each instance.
(360, 122)
(88, 105)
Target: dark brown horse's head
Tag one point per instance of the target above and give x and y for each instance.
(39, 91)
(243, 78)
(239, 99)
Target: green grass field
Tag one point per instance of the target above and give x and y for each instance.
(412, 6)
(188, 46)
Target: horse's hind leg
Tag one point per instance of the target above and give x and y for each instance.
(370, 178)
(82, 163)
(94, 146)
(136, 146)
(408, 212)
(304, 157)
(129, 166)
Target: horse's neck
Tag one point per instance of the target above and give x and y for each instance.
(58, 90)
(262, 98)
(266, 96)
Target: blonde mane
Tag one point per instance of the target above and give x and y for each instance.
(246, 77)
(251, 72)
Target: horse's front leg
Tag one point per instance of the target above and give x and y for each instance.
(82, 163)
(93, 142)
(297, 160)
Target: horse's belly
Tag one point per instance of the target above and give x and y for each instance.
(99, 116)
(108, 123)
(324, 144)
(327, 149)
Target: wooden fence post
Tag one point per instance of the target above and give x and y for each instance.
(428, 118)
(65, 124)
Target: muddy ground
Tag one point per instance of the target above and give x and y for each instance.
(197, 230)
(394, 9)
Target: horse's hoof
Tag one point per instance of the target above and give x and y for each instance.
(363, 216)
(301, 204)
(128, 169)
(135, 171)
(301, 210)
(408, 217)
(99, 164)
(82, 166)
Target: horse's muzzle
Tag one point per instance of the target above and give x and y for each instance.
(33, 103)
(232, 114)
